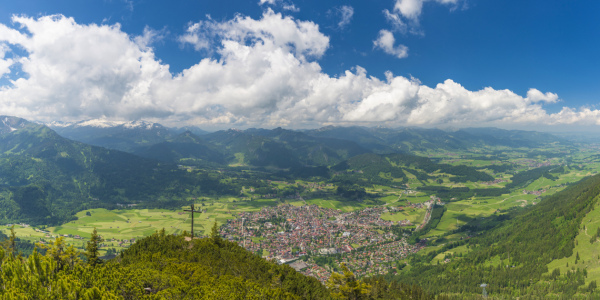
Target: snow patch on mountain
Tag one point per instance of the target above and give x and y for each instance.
(140, 124)
(11, 124)
(58, 124)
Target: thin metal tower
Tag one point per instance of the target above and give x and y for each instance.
(483, 285)
(192, 211)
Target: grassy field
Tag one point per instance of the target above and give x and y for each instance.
(462, 250)
(415, 216)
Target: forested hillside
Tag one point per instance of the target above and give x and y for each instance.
(45, 178)
(185, 148)
(513, 257)
(393, 168)
(282, 148)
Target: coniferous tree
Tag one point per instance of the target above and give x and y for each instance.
(92, 249)
(11, 242)
(346, 286)
(214, 234)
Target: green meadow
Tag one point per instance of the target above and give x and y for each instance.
(415, 216)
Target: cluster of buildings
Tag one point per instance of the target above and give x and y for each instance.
(537, 193)
(532, 163)
(499, 180)
(290, 234)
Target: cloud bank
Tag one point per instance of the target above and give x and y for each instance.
(264, 72)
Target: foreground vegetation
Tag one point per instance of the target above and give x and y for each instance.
(165, 266)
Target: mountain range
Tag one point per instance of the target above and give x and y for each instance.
(45, 178)
(282, 148)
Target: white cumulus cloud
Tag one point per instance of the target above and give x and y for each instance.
(5, 63)
(274, 31)
(149, 37)
(285, 5)
(265, 72)
(535, 95)
(385, 41)
(412, 9)
(406, 13)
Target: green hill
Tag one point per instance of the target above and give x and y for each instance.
(185, 148)
(45, 178)
(280, 148)
(390, 168)
(514, 257)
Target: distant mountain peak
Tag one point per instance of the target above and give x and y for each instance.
(141, 124)
(10, 124)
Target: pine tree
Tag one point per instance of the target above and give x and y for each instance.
(214, 234)
(346, 286)
(592, 286)
(92, 249)
(10, 244)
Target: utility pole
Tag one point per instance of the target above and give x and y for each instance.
(192, 211)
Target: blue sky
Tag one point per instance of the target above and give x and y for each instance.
(303, 63)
